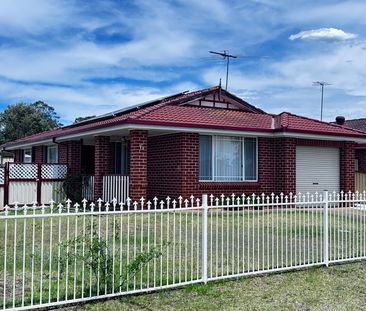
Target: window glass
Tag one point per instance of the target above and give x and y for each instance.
(205, 158)
(52, 154)
(250, 157)
(228, 159)
(231, 159)
(122, 153)
(27, 155)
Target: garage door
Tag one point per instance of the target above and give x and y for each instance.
(317, 169)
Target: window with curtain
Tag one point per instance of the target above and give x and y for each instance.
(227, 158)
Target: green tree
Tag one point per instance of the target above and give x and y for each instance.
(21, 119)
(81, 119)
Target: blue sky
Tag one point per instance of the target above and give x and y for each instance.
(91, 57)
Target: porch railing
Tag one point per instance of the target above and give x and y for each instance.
(116, 187)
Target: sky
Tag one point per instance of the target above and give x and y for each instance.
(92, 57)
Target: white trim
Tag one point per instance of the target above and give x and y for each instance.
(25, 146)
(131, 126)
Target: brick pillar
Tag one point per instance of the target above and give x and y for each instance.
(266, 165)
(138, 164)
(286, 165)
(347, 168)
(74, 157)
(102, 163)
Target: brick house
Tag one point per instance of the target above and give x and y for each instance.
(206, 141)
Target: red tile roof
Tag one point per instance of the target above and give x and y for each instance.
(293, 123)
(168, 112)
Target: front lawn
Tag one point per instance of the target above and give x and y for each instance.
(338, 287)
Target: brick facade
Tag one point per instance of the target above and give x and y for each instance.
(173, 167)
(102, 163)
(138, 164)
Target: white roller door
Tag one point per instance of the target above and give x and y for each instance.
(317, 169)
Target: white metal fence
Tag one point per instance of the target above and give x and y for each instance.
(70, 253)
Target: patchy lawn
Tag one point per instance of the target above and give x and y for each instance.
(339, 287)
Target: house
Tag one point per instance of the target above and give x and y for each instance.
(206, 141)
(360, 152)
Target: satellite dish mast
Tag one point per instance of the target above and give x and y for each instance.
(226, 56)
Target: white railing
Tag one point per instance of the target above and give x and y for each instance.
(52, 256)
(116, 186)
(88, 187)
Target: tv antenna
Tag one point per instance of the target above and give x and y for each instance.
(226, 56)
(321, 84)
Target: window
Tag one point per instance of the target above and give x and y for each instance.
(227, 158)
(121, 157)
(52, 154)
(27, 155)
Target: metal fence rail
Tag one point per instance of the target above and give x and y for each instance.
(72, 253)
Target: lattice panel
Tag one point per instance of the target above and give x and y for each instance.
(23, 171)
(53, 171)
(2, 179)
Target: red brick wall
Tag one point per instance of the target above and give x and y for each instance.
(74, 157)
(37, 154)
(102, 163)
(138, 164)
(361, 156)
(173, 167)
(62, 153)
(18, 155)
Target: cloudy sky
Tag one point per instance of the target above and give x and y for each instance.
(91, 57)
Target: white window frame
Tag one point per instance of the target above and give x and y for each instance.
(213, 140)
(52, 147)
(30, 153)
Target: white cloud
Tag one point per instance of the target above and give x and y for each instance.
(323, 34)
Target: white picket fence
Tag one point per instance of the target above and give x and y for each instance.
(57, 255)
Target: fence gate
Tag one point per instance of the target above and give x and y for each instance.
(26, 183)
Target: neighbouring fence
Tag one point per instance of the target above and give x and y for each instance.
(28, 182)
(62, 254)
(360, 181)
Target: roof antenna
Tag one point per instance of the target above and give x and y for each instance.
(226, 56)
(220, 83)
(321, 84)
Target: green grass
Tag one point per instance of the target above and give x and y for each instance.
(338, 287)
(232, 230)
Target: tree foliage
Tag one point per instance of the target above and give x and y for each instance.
(21, 119)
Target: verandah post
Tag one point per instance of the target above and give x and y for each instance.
(204, 238)
(325, 228)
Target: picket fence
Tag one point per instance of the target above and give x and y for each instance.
(69, 253)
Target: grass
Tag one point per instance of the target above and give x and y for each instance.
(242, 240)
(338, 287)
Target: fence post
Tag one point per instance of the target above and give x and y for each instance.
(325, 228)
(204, 238)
